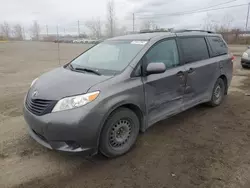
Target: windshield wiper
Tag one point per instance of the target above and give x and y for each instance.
(87, 70)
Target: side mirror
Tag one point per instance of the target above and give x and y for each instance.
(155, 68)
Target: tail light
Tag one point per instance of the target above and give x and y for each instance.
(233, 58)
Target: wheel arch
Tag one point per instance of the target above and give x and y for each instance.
(129, 105)
(225, 80)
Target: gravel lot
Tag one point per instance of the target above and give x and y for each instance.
(202, 147)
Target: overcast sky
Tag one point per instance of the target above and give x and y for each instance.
(65, 13)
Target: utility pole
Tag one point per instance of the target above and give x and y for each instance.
(111, 28)
(47, 30)
(58, 47)
(23, 34)
(57, 32)
(247, 16)
(133, 22)
(78, 23)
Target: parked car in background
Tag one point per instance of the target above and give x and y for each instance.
(67, 40)
(245, 59)
(86, 41)
(76, 41)
(102, 99)
(98, 41)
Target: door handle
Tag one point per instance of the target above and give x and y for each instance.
(191, 70)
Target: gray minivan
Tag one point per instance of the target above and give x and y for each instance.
(103, 98)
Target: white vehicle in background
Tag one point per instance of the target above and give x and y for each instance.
(83, 41)
(245, 59)
(80, 41)
(76, 41)
(86, 41)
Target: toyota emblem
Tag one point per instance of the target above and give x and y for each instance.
(35, 93)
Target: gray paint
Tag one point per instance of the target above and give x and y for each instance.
(163, 94)
(156, 68)
(61, 82)
(144, 36)
(155, 96)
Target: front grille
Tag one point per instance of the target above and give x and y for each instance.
(39, 106)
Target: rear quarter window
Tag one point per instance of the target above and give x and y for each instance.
(218, 46)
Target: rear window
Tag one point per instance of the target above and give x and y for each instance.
(194, 49)
(218, 46)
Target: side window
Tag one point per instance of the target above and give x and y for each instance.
(218, 46)
(165, 52)
(194, 49)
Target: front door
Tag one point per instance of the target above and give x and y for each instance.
(164, 92)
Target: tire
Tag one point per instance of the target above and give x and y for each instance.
(218, 93)
(244, 66)
(119, 133)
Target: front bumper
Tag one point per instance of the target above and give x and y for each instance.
(75, 130)
(245, 62)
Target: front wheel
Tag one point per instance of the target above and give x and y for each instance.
(218, 93)
(119, 133)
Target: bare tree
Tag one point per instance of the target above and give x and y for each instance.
(209, 24)
(146, 25)
(226, 25)
(223, 26)
(149, 25)
(121, 31)
(5, 30)
(95, 27)
(18, 32)
(35, 31)
(111, 18)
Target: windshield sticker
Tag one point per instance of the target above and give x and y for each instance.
(139, 42)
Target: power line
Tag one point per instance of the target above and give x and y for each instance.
(203, 7)
(192, 10)
(212, 6)
(212, 9)
(209, 7)
(199, 11)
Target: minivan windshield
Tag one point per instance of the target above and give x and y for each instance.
(109, 57)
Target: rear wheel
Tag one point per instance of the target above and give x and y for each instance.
(119, 133)
(218, 93)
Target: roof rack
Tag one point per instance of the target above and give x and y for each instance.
(190, 30)
(153, 31)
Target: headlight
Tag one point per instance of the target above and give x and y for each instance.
(75, 101)
(245, 55)
(34, 81)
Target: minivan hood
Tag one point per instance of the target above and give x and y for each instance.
(61, 82)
